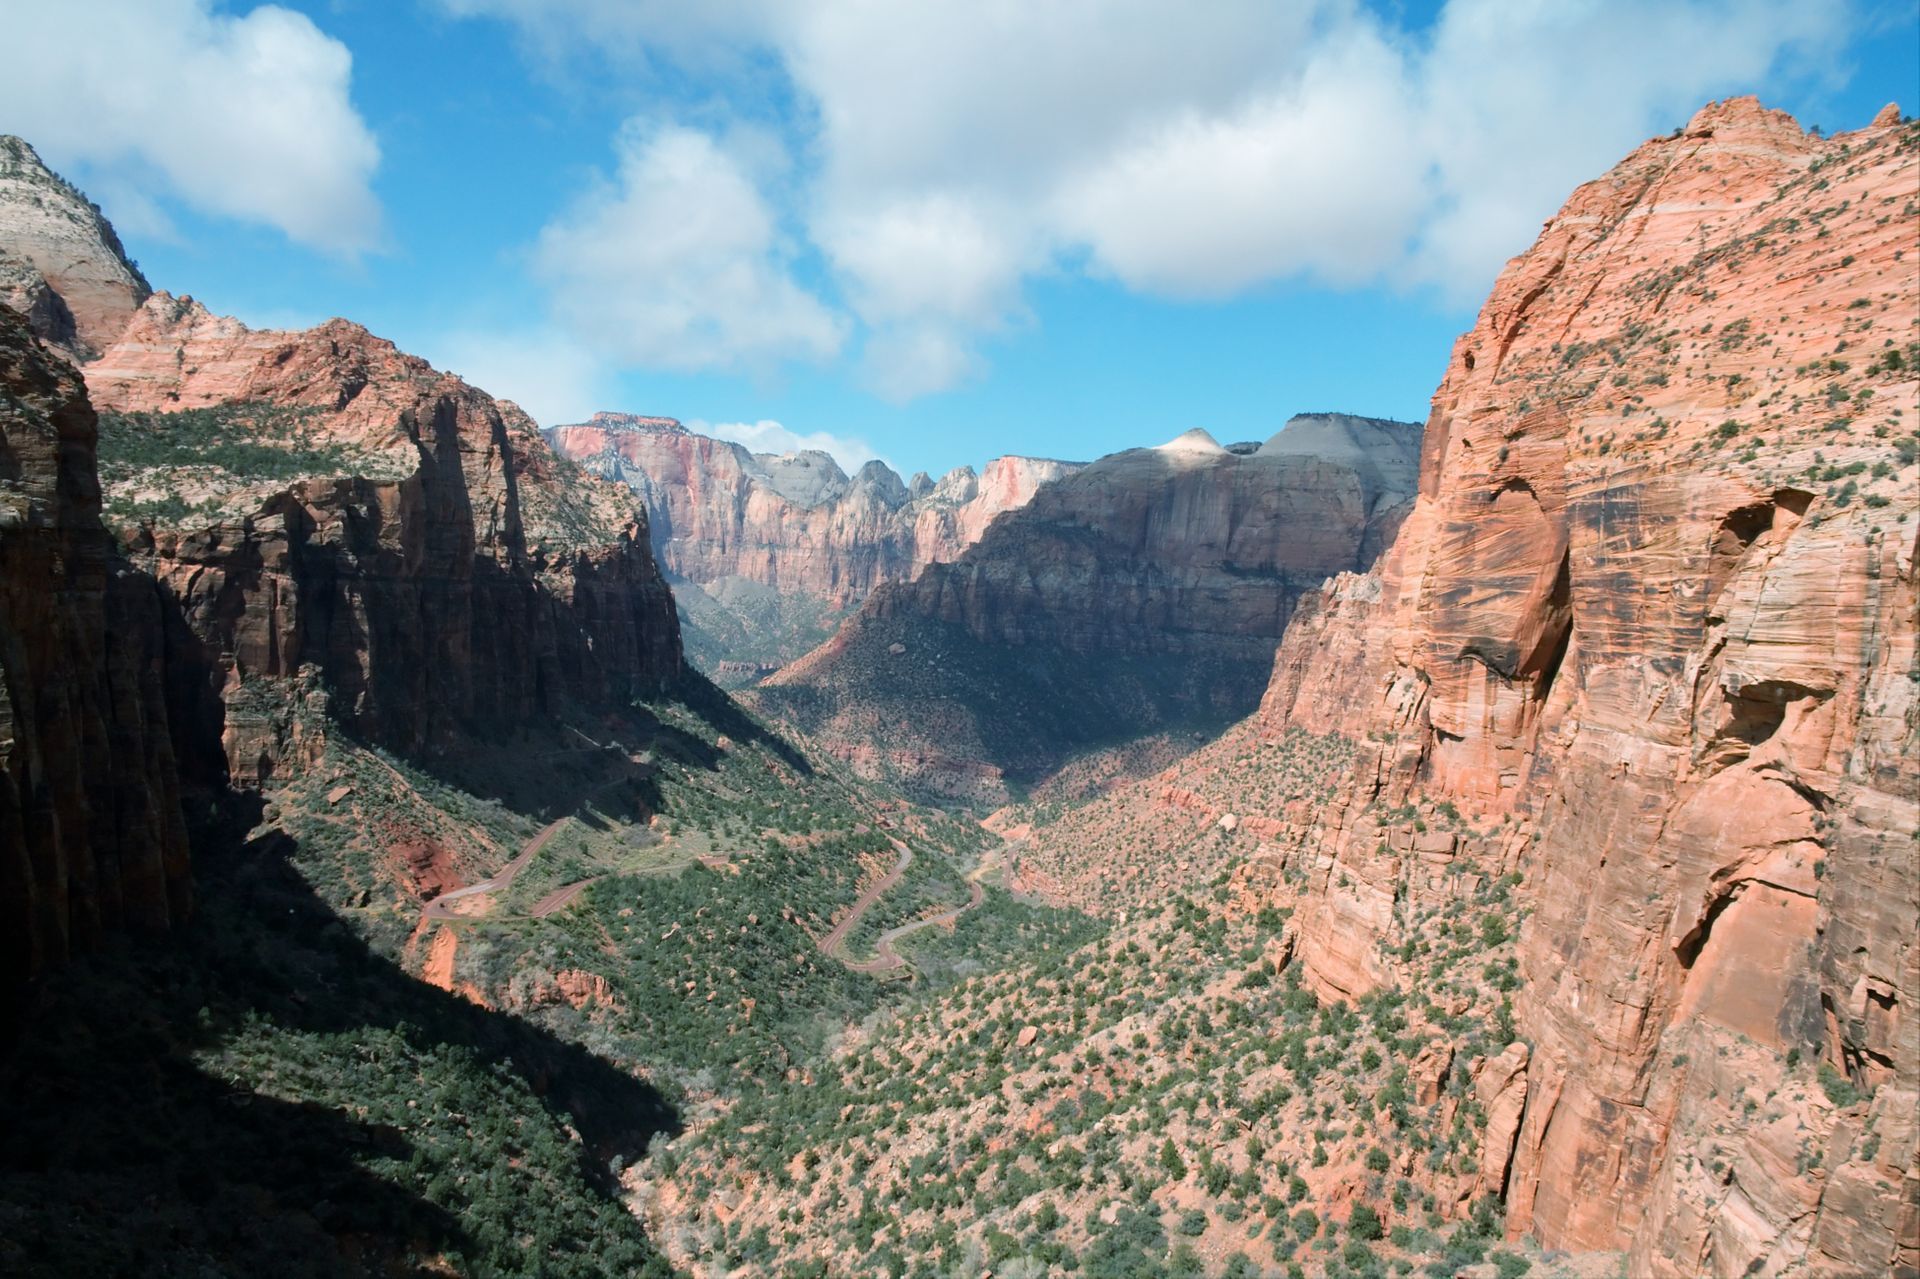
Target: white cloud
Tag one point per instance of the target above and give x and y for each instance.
(678, 263)
(1578, 85)
(955, 149)
(545, 373)
(769, 436)
(902, 361)
(1319, 178)
(246, 117)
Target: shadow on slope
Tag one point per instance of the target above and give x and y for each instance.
(264, 1094)
(607, 757)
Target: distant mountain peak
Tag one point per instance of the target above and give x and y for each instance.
(1198, 440)
(614, 421)
(61, 263)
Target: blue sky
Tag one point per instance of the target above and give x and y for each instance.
(934, 232)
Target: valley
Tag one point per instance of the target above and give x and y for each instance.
(439, 844)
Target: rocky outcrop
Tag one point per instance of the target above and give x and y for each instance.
(351, 539)
(726, 520)
(1651, 629)
(1145, 592)
(464, 578)
(92, 838)
(61, 265)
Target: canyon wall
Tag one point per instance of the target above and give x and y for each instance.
(796, 522)
(768, 553)
(1144, 593)
(307, 532)
(1650, 628)
(450, 575)
(61, 265)
(92, 838)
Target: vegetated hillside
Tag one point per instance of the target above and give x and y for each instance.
(1647, 643)
(61, 265)
(430, 1004)
(769, 552)
(1167, 1100)
(1143, 595)
(490, 890)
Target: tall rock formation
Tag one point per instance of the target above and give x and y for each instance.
(61, 265)
(341, 533)
(427, 565)
(1651, 628)
(777, 548)
(1143, 593)
(92, 838)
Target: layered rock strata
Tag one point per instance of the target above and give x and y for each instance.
(61, 265)
(92, 838)
(768, 553)
(464, 577)
(1650, 628)
(1143, 592)
(795, 522)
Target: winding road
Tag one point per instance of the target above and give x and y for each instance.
(836, 938)
(437, 908)
(885, 958)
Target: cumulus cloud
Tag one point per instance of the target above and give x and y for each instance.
(245, 116)
(769, 436)
(1320, 178)
(956, 149)
(678, 263)
(545, 373)
(1579, 84)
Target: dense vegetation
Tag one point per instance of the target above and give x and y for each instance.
(169, 467)
(266, 1095)
(1167, 1099)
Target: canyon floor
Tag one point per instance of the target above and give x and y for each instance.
(1500, 865)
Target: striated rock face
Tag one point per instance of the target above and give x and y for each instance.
(465, 577)
(795, 522)
(1651, 628)
(1146, 591)
(726, 520)
(91, 834)
(61, 265)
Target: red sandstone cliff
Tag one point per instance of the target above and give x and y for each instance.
(794, 522)
(427, 568)
(769, 553)
(1144, 593)
(91, 834)
(457, 575)
(1651, 626)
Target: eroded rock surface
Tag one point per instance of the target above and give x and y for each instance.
(779, 547)
(1651, 622)
(61, 265)
(1144, 592)
(92, 839)
(443, 570)
(1637, 675)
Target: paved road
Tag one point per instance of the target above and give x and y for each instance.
(886, 958)
(830, 944)
(437, 908)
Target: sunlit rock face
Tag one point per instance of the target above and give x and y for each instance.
(1144, 593)
(61, 265)
(1652, 618)
(769, 552)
